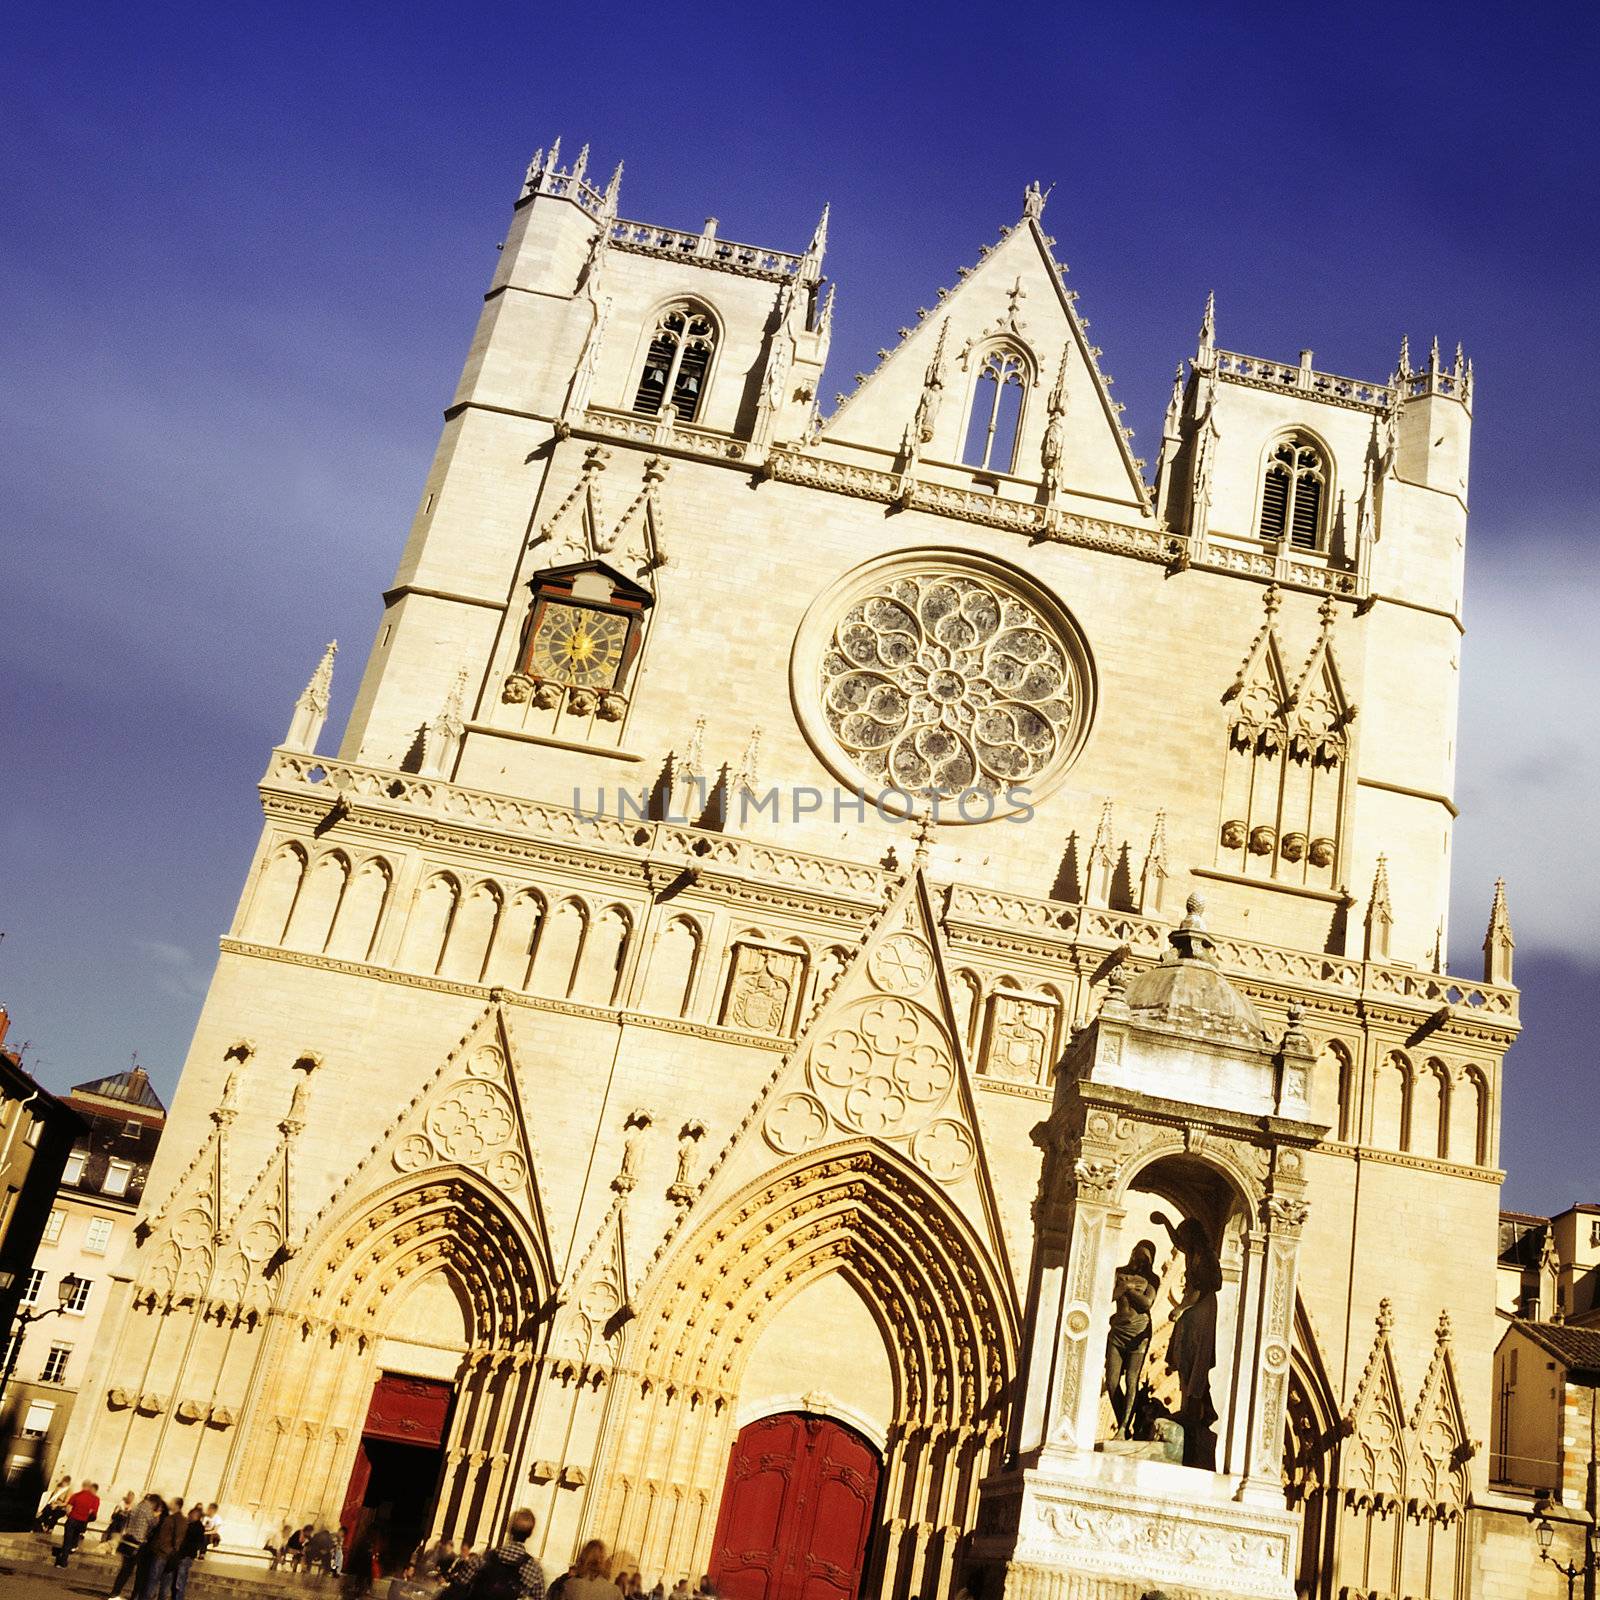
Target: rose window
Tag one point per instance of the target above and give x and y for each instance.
(938, 684)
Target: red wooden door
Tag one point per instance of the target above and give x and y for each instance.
(796, 1511)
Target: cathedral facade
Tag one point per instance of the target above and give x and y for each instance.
(713, 1113)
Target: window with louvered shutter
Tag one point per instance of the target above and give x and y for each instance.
(1292, 495)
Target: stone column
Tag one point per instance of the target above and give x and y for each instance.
(1074, 1401)
(1260, 1458)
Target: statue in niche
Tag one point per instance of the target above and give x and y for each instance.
(1192, 1350)
(1128, 1342)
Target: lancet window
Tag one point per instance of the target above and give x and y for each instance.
(676, 363)
(1293, 494)
(996, 417)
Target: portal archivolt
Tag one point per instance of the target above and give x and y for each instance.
(949, 1326)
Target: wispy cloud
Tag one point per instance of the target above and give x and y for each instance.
(1529, 763)
(177, 972)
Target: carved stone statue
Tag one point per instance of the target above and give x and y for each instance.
(1128, 1342)
(1192, 1350)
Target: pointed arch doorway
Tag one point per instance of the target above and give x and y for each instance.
(400, 1458)
(797, 1510)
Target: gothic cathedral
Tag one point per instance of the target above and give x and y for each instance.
(968, 1100)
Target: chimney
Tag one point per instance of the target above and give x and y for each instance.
(5, 1023)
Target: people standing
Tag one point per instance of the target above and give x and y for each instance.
(190, 1549)
(136, 1533)
(82, 1509)
(511, 1571)
(118, 1519)
(161, 1550)
(591, 1575)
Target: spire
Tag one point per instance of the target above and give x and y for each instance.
(1053, 445)
(613, 190)
(581, 165)
(811, 265)
(1153, 878)
(1433, 356)
(1380, 914)
(311, 709)
(1404, 368)
(1497, 942)
(445, 732)
(1102, 865)
(1208, 323)
(825, 316)
(1169, 427)
(554, 158)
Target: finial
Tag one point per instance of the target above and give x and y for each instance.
(1498, 943)
(311, 709)
(1461, 360)
(1175, 404)
(581, 165)
(613, 190)
(1380, 914)
(825, 316)
(811, 266)
(1034, 200)
(923, 833)
(747, 778)
(1272, 599)
(1405, 355)
(555, 154)
(1433, 355)
(1385, 1317)
(1443, 1331)
(1057, 402)
(1327, 611)
(1190, 938)
(1208, 323)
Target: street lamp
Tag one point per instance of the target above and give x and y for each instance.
(66, 1293)
(1545, 1534)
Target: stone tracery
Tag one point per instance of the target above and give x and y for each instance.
(942, 682)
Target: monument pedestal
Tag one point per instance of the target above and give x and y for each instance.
(1096, 1526)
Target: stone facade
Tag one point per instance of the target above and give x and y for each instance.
(584, 1042)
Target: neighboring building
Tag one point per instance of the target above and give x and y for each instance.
(679, 1160)
(1549, 1267)
(89, 1226)
(1527, 1273)
(37, 1131)
(1546, 1437)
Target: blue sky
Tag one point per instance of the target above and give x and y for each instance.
(244, 248)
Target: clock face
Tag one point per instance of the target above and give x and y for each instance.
(575, 644)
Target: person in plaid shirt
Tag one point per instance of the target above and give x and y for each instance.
(510, 1571)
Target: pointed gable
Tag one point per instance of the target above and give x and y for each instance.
(470, 1113)
(1016, 299)
(1322, 711)
(1375, 1468)
(1259, 695)
(880, 1059)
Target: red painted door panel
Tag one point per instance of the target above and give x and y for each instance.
(796, 1511)
(408, 1410)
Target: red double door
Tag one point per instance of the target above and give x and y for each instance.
(397, 1464)
(796, 1511)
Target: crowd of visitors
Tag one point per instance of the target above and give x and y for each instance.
(157, 1542)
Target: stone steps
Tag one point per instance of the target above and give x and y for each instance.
(218, 1577)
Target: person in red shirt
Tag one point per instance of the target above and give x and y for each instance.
(82, 1509)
